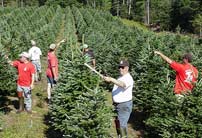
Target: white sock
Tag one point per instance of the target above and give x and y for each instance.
(49, 90)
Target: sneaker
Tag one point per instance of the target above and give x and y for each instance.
(19, 111)
(1, 129)
(29, 111)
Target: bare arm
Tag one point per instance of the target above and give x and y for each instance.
(167, 59)
(54, 73)
(62, 41)
(94, 63)
(32, 83)
(117, 82)
(8, 60)
(58, 44)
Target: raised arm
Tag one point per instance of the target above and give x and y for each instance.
(117, 82)
(58, 44)
(167, 59)
(62, 41)
(8, 60)
(93, 63)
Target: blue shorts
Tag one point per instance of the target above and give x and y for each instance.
(123, 111)
(51, 81)
(37, 65)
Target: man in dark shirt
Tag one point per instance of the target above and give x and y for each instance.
(88, 55)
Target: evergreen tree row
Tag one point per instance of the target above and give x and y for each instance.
(79, 107)
(162, 116)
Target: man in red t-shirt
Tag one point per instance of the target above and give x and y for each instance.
(52, 69)
(186, 74)
(25, 81)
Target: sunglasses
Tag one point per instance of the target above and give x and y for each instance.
(122, 67)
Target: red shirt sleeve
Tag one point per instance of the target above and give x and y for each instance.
(176, 66)
(15, 63)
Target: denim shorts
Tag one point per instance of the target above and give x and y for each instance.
(37, 65)
(123, 111)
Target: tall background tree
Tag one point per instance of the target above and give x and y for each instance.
(22, 3)
(62, 3)
(183, 13)
(160, 13)
(171, 15)
(197, 24)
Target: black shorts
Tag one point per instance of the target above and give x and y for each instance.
(51, 81)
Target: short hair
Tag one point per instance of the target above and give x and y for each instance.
(188, 56)
(51, 50)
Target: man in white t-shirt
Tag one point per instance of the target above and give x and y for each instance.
(35, 54)
(122, 97)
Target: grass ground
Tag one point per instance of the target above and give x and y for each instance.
(131, 23)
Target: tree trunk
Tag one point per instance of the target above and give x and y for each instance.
(21, 3)
(117, 10)
(94, 4)
(200, 32)
(148, 12)
(2, 3)
(134, 7)
(129, 7)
